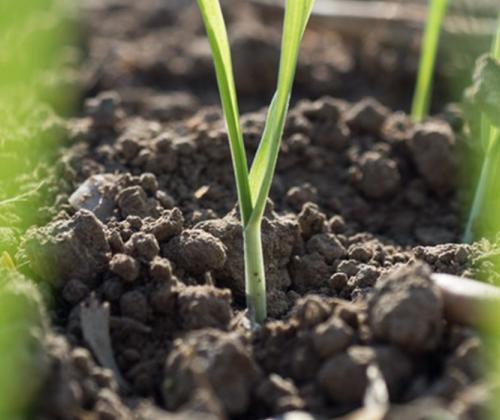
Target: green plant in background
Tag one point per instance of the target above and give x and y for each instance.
(490, 140)
(23, 362)
(430, 41)
(484, 221)
(33, 38)
(253, 186)
(6, 261)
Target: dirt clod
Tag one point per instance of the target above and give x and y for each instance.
(311, 220)
(196, 251)
(133, 201)
(344, 376)
(213, 359)
(367, 115)
(75, 291)
(161, 270)
(279, 394)
(143, 245)
(204, 307)
(407, 310)
(69, 249)
(310, 311)
(433, 149)
(168, 225)
(134, 305)
(327, 245)
(125, 266)
(310, 272)
(331, 337)
(379, 176)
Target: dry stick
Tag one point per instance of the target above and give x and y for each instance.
(466, 300)
(95, 321)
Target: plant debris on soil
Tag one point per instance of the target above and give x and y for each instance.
(364, 208)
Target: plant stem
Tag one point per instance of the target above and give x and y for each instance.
(255, 279)
(489, 164)
(490, 139)
(477, 204)
(430, 41)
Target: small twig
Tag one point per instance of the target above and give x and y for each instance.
(95, 321)
(466, 301)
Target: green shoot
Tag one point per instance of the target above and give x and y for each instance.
(490, 139)
(430, 41)
(253, 186)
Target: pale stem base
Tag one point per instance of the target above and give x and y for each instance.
(255, 280)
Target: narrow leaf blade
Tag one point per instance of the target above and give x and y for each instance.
(219, 44)
(422, 96)
(296, 17)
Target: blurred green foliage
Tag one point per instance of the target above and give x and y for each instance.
(23, 363)
(484, 222)
(35, 37)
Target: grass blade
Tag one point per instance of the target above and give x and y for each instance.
(296, 17)
(421, 98)
(490, 139)
(221, 53)
(488, 132)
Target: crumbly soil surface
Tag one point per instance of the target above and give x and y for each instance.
(364, 208)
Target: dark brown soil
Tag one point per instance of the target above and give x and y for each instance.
(364, 207)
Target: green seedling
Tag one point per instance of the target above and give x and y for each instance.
(484, 78)
(253, 186)
(430, 41)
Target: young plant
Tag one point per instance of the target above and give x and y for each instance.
(490, 140)
(253, 186)
(430, 41)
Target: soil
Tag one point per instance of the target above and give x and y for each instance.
(142, 216)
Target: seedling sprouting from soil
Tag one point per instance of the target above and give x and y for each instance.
(253, 186)
(430, 41)
(485, 95)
